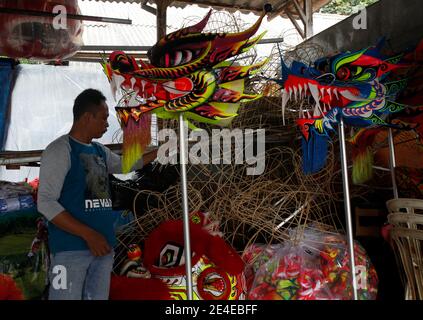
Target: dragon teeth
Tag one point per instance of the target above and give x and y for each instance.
(308, 115)
(335, 91)
(143, 83)
(133, 81)
(300, 88)
(295, 92)
(178, 58)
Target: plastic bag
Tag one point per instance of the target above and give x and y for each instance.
(335, 264)
(317, 267)
(291, 274)
(254, 257)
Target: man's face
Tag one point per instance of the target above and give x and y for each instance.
(98, 121)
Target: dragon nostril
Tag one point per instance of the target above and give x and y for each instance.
(167, 60)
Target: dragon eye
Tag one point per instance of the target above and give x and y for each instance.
(343, 74)
(180, 57)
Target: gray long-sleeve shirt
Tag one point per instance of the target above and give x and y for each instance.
(55, 164)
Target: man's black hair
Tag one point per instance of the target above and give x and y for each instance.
(87, 101)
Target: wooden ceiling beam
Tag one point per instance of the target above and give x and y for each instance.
(300, 11)
(225, 6)
(278, 9)
(295, 23)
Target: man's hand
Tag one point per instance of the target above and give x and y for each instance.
(149, 156)
(96, 242)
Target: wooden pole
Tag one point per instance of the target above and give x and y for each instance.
(308, 7)
(161, 20)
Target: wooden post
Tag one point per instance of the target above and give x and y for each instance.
(161, 23)
(161, 17)
(308, 8)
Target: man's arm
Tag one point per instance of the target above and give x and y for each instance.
(55, 164)
(114, 161)
(150, 156)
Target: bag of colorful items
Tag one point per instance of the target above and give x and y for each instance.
(15, 196)
(217, 269)
(317, 268)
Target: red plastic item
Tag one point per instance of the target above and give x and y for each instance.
(8, 289)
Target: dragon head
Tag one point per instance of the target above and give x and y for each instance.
(189, 72)
(351, 85)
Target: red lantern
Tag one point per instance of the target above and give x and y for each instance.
(40, 37)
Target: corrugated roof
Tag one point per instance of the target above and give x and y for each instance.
(242, 5)
(142, 32)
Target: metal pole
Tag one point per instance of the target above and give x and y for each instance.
(347, 205)
(68, 15)
(392, 163)
(187, 244)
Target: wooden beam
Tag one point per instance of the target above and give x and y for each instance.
(96, 57)
(278, 9)
(68, 15)
(308, 7)
(225, 6)
(114, 48)
(300, 11)
(10, 158)
(161, 20)
(295, 23)
(146, 7)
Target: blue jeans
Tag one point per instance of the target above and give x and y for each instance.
(78, 275)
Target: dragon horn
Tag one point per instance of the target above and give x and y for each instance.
(240, 36)
(196, 28)
(199, 26)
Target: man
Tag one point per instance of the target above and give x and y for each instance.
(74, 196)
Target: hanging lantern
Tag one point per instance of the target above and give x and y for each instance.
(39, 37)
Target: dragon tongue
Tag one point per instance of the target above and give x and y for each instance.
(317, 112)
(315, 93)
